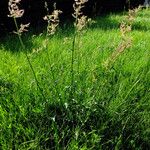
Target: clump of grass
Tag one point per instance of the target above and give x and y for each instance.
(109, 108)
(80, 23)
(52, 24)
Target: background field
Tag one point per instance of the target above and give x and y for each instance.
(103, 109)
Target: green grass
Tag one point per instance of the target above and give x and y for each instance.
(109, 108)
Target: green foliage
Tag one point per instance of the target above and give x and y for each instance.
(110, 107)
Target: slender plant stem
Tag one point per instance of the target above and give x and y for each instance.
(72, 63)
(47, 52)
(51, 69)
(28, 60)
(79, 52)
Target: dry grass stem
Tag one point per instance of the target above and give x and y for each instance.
(15, 12)
(125, 28)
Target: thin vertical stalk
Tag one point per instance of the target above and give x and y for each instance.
(51, 69)
(53, 26)
(28, 60)
(72, 63)
(79, 53)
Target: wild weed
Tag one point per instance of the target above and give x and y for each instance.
(15, 13)
(52, 24)
(126, 40)
(94, 113)
(80, 24)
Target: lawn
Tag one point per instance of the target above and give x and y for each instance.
(81, 106)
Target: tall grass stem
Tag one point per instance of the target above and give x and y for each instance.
(28, 60)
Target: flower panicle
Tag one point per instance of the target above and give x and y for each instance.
(81, 20)
(125, 29)
(78, 5)
(23, 28)
(127, 23)
(52, 19)
(14, 10)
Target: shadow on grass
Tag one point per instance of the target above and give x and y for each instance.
(12, 43)
(108, 23)
(57, 126)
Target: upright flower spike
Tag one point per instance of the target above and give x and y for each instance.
(81, 20)
(14, 10)
(78, 5)
(53, 19)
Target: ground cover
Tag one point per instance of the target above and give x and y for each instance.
(103, 108)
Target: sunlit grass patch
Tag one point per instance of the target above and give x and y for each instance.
(110, 107)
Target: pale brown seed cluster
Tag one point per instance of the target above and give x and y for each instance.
(132, 14)
(125, 28)
(14, 10)
(23, 28)
(81, 20)
(78, 5)
(53, 20)
(126, 25)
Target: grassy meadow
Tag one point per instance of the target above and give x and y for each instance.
(85, 105)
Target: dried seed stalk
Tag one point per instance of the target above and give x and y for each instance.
(53, 19)
(15, 12)
(81, 20)
(125, 28)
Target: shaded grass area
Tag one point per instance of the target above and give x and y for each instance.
(109, 108)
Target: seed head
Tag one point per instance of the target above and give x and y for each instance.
(81, 20)
(78, 5)
(53, 19)
(23, 28)
(14, 10)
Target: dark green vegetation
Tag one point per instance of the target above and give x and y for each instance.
(105, 108)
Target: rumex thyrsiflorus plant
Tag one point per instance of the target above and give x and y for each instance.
(81, 22)
(15, 13)
(52, 25)
(126, 40)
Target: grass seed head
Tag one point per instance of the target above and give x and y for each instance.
(14, 10)
(23, 28)
(125, 28)
(78, 5)
(81, 20)
(53, 19)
